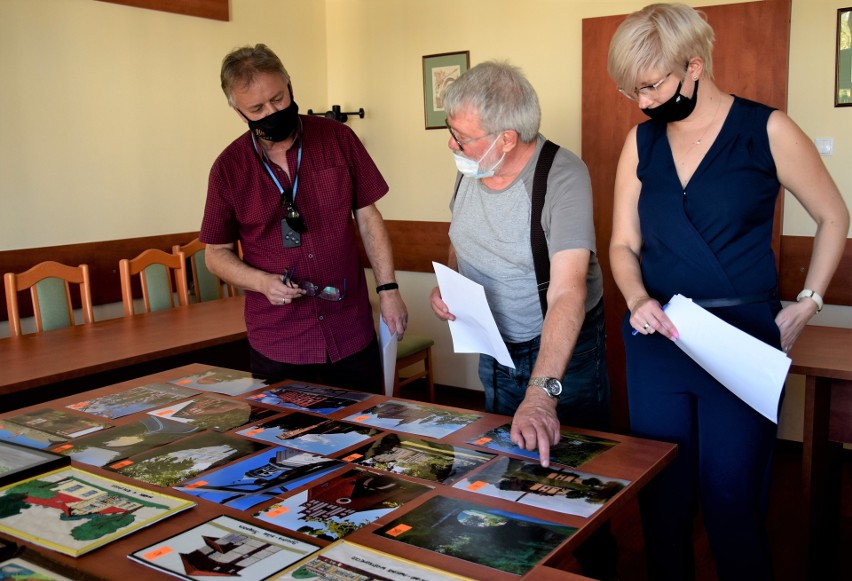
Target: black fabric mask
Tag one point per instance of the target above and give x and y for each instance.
(277, 126)
(677, 108)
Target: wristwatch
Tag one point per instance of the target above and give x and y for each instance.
(550, 385)
(813, 295)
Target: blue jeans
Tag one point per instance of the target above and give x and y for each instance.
(585, 395)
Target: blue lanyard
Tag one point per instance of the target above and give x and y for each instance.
(272, 173)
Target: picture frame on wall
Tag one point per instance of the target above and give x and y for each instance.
(843, 72)
(439, 71)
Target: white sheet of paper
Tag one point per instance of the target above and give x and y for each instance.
(751, 369)
(474, 330)
(388, 345)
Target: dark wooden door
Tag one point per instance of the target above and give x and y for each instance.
(750, 60)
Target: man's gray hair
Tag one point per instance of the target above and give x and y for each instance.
(501, 95)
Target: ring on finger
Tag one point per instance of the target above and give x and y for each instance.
(646, 326)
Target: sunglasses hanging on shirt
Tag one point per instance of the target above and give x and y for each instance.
(293, 224)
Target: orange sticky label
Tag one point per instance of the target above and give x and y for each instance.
(398, 530)
(157, 553)
(164, 413)
(254, 432)
(77, 406)
(361, 419)
(196, 484)
(63, 447)
(183, 381)
(482, 441)
(277, 511)
(258, 396)
(122, 464)
(352, 457)
(476, 485)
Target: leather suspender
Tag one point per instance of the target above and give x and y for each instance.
(538, 242)
(541, 258)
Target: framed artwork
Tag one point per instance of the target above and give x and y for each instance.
(439, 70)
(19, 462)
(843, 73)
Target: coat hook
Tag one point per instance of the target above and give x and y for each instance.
(337, 114)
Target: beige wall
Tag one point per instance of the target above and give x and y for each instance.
(110, 116)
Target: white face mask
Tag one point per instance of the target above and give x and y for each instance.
(471, 168)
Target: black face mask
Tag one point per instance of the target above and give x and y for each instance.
(677, 108)
(277, 126)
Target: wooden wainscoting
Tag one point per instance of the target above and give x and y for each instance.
(415, 245)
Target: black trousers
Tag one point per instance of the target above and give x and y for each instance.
(361, 371)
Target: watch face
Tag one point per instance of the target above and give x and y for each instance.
(553, 387)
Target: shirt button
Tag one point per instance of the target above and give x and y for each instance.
(310, 255)
(321, 318)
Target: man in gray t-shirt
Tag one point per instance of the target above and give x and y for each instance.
(493, 116)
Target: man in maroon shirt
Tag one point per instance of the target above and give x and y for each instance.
(288, 189)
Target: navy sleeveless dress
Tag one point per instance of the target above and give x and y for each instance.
(710, 240)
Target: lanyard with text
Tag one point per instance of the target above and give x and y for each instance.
(292, 226)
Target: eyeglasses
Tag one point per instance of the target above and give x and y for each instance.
(649, 91)
(328, 293)
(459, 142)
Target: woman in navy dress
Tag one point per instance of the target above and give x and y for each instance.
(695, 195)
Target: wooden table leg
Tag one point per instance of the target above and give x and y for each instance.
(820, 478)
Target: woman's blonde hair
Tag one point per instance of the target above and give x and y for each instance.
(660, 37)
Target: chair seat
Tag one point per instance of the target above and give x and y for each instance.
(411, 344)
(411, 350)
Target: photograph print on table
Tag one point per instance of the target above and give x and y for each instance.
(349, 561)
(556, 488)
(209, 412)
(29, 437)
(418, 458)
(59, 422)
(222, 380)
(318, 399)
(224, 548)
(259, 478)
(101, 448)
(413, 418)
(138, 399)
(572, 450)
(342, 504)
(186, 458)
(309, 433)
(502, 540)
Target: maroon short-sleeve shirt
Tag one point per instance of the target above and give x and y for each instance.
(335, 177)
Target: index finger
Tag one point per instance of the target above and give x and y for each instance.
(544, 452)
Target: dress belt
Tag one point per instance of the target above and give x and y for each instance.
(734, 301)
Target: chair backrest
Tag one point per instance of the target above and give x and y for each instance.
(206, 286)
(159, 272)
(49, 285)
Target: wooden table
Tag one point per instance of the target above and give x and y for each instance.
(633, 459)
(76, 354)
(824, 356)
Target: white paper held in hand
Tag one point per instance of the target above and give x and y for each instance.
(388, 344)
(751, 369)
(474, 330)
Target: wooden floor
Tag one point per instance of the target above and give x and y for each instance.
(785, 520)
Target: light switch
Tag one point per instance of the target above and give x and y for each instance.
(825, 145)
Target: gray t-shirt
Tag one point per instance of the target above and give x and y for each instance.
(490, 231)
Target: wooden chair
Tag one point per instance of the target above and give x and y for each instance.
(410, 351)
(206, 286)
(49, 285)
(158, 271)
